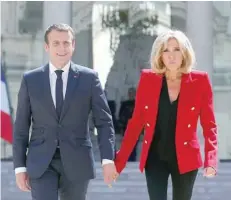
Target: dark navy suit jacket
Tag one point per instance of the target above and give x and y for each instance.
(36, 110)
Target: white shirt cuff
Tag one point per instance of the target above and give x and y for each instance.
(106, 161)
(20, 170)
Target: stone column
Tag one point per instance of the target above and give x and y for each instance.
(199, 29)
(178, 15)
(56, 12)
(82, 23)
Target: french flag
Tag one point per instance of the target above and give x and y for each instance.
(6, 120)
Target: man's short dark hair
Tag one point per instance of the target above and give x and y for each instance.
(58, 27)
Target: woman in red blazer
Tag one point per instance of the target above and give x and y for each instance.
(170, 99)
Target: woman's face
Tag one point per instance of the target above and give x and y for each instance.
(172, 56)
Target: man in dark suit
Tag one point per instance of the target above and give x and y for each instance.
(55, 101)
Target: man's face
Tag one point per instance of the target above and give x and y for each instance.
(60, 47)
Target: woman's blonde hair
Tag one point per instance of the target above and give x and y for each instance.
(160, 44)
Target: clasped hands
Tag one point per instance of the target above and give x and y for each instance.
(110, 174)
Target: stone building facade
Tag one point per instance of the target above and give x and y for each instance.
(119, 56)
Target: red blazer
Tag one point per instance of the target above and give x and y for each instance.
(195, 100)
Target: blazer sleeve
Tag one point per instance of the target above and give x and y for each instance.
(102, 119)
(208, 124)
(21, 126)
(134, 128)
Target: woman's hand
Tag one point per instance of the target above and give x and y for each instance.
(209, 172)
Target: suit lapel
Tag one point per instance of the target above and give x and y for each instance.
(73, 78)
(47, 92)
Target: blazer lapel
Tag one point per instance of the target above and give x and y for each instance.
(47, 92)
(185, 91)
(154, 94)
(156, 88)
(185, 96)
(73, 78)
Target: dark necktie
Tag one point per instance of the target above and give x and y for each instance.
(59, 92)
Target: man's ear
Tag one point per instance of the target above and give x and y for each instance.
(46, 47)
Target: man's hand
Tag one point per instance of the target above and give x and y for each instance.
(209, 172)
(22, 181)
(109, 173)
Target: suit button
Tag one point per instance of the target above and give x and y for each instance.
(193, 108)
(146, 107)
(185, 143)
(148, 124)
(189, 125)
(146, 142)
(60, 126)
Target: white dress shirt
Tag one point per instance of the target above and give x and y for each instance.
(53, 77)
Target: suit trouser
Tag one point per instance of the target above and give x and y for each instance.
(53, 183)
(157, 173)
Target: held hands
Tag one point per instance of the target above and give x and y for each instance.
(22, 181)
(110, 174)
(209, 172)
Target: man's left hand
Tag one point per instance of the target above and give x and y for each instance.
(109, 173)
